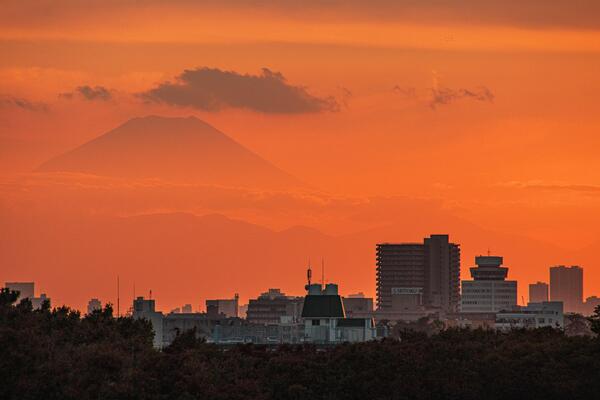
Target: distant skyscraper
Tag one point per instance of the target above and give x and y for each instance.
(538, 292)
(566, 285)
(430, 270)
(93, 305)
(489, 291)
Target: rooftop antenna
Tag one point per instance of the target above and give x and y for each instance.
(309, 272)
(489, 251)
(322, 272)
(150, 294)
(118, 298)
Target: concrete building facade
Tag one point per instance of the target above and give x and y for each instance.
(538, 292)
(227, 307)
(489, 291)
(534, 315)
(566, 285)
(425, 274)
(270, 306)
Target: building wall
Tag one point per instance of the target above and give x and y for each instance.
(227, 307)
(442, 273)
(538, 292)
(535, 315)
(268, 309)
(25, 289)
(146, 308)
(488, 296)
(358, 306)
(398, 266)
(566, 285)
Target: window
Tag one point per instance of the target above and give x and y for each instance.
(316, 322)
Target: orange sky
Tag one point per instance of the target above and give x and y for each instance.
(521, 162)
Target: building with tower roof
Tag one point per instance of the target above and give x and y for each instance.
(488, 291)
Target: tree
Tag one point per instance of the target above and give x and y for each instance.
(595, 320)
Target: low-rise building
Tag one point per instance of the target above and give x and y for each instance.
(325, 320)
(146, 308)
(270, 306)
(534, 315)
(357, 305)
(226, 307)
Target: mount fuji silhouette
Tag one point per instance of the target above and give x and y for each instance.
(173, 149)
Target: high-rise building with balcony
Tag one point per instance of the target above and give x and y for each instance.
(428, 273)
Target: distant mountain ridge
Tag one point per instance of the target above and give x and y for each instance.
(175, 149)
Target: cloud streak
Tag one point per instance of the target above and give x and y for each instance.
(89, 93)
(212, 89)
(19, 102)
(443, 95)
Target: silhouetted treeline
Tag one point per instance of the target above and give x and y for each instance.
(57, 354)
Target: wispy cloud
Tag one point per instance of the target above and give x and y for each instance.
(89, 93)
(444, 95)
(550, 186)
(19, 102)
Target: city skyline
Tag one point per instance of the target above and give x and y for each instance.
(555, 291)
(258, 199)
(224, 152)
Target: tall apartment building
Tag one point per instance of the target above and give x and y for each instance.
(428, 271)
(538, 292)
(489, 291)
(566, 285)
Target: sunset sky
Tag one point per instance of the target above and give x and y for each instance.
(479, 119)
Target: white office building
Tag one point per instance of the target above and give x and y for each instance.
(535, 315)
(488, 291)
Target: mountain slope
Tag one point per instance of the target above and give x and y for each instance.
(174, 149)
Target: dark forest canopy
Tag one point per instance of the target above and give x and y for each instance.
(58, 354)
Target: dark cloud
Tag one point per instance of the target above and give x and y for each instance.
(89, 93)
(18, 102)
(444, 95)
(94, 93)
(212, 89)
